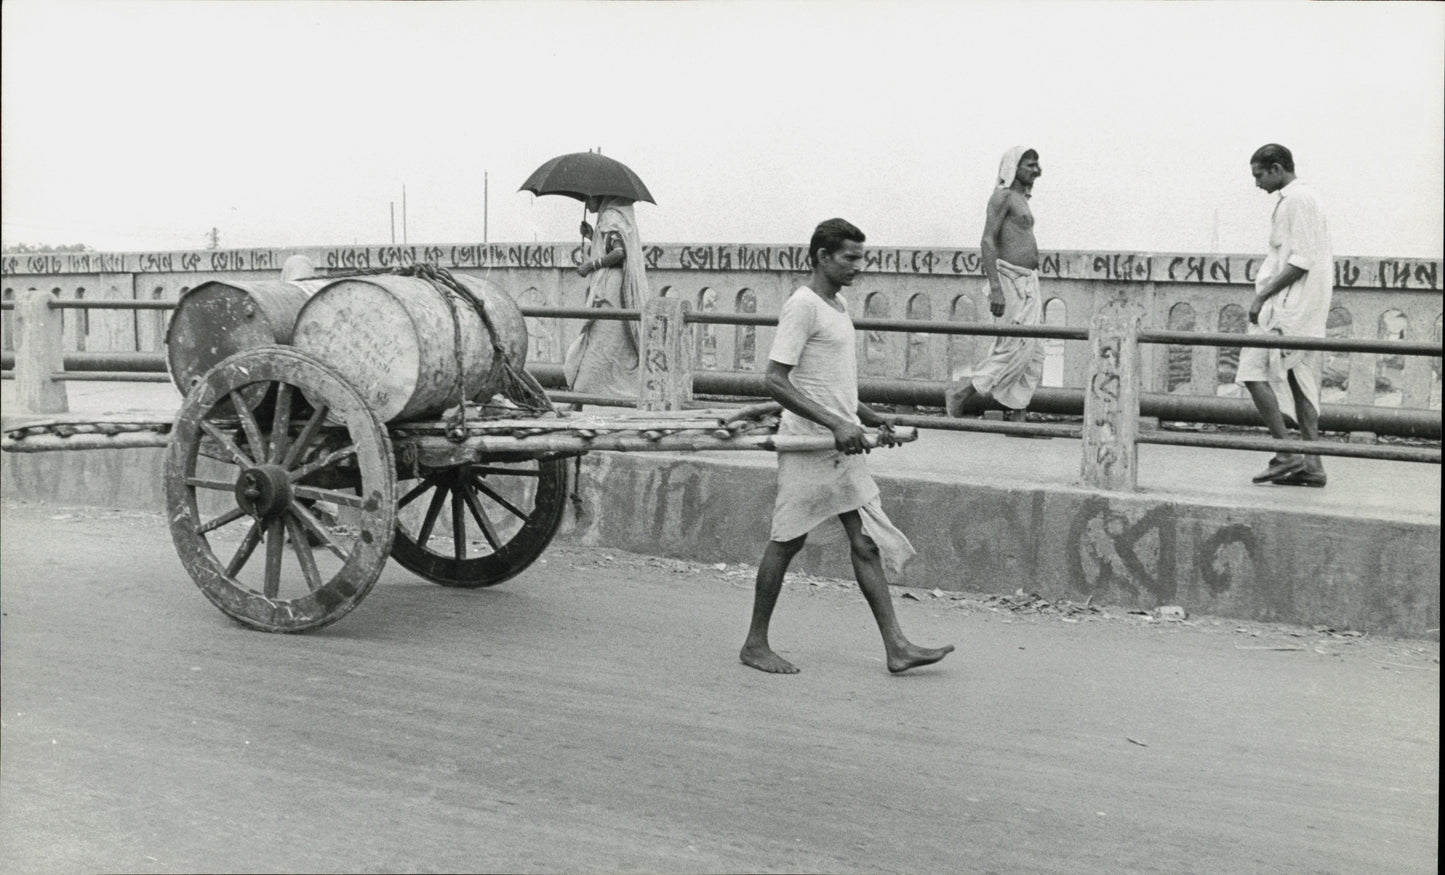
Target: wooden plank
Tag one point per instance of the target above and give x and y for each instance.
(439, 452)
(143, 418)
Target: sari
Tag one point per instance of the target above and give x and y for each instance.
(603, 359)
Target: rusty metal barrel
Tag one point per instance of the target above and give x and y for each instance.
(394, 339)
(218, 318)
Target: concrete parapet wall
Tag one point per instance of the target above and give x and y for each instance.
(1136, 550)
(1374, 297)
(1142, 551)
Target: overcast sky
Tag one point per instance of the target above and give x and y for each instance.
(141, 125)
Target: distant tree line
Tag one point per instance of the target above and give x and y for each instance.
(45, 247)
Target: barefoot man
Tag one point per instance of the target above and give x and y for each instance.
(1011, 371)
(813, 373)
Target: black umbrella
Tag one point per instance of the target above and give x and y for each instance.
(583, 175)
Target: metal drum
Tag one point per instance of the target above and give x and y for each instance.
(217, 319)
(393, 338)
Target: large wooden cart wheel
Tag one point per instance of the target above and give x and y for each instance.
(265, 439)
(502, 515)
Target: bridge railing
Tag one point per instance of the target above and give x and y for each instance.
(1111, 403)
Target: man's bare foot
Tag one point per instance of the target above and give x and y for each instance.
(913, 656)
(764, 659)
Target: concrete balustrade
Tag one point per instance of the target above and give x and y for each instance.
(1374, 297)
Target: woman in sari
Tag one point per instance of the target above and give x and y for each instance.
(603, 359)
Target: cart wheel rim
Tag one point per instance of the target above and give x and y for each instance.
(285, 432)
(507, 514)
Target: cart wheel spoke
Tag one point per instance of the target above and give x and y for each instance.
(254, 441)
(459, 525)
(342, 455)
(427, 482)
(317, 530)
(325, 461)
(475, 506)
(432, 512)
(203, 483)
(299, 546)
(491, 493)
(314, 493)
(303, 440)
(225, 441)
(280, 424)
(275, 549)
(243, 552)
(224, 519)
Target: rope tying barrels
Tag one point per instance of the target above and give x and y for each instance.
(518, 386)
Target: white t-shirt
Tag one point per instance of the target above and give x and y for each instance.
(818, 341)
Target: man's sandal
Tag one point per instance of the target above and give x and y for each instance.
(1306, 477)
(1280, 468)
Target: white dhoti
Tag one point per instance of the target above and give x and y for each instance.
(1275, 366)
(816, 486)
(1014, 365)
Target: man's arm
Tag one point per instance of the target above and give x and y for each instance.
(871, 417)
(1277, 283)
(1303, 227)
(847, 435)
(998, 209)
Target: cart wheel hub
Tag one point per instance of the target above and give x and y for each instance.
(263, 491)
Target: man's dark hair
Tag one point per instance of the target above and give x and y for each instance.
(1029, 153)
(830, 235)
(1270, 154)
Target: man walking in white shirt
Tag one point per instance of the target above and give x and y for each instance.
(813, 373)
(1292, 297)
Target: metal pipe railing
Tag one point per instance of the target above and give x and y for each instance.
(1292, 341)
(148, 367)
(921, 326)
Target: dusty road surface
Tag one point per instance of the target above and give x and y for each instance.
(591, 716)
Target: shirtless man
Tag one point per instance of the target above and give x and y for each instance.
(1014, 365)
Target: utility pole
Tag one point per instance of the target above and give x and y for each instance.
(393, 223)
(486, 197)
(215, 238)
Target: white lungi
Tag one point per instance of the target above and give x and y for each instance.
(819, 343)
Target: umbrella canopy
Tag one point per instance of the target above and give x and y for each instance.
(587, 174)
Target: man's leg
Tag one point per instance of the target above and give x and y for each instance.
(1309, 426)
(1268, 406)
(756, 652)
(957, 400)
(868, 569)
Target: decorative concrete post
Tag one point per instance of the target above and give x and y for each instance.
(113, 329)
(666, 355)
(38, 354)
(1111, 401)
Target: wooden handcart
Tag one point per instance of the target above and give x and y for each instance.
(285, 493)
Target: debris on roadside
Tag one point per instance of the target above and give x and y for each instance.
(1033, 603)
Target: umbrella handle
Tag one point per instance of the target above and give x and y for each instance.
(585, 224)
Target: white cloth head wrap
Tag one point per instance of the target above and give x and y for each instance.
(1009, 165)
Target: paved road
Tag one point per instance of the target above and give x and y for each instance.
(591, 716)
